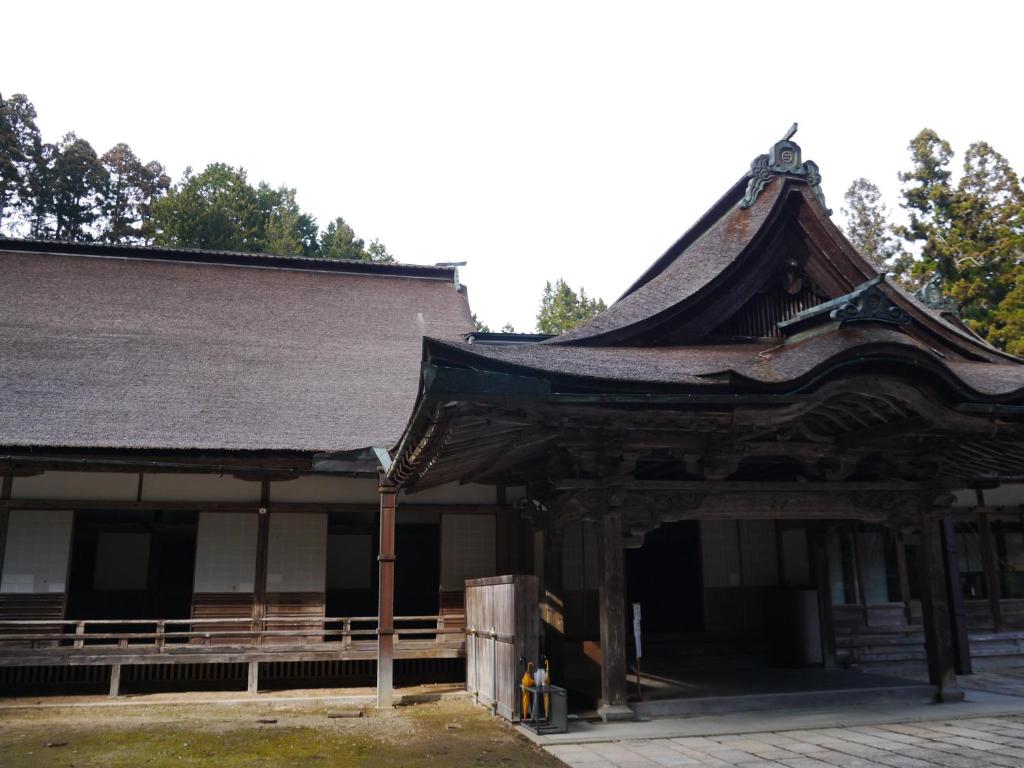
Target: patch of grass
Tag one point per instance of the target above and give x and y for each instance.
(441, 734)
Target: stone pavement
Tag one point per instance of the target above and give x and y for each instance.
(981, 742)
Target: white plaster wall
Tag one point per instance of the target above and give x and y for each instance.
(226, 552)
(101, 486)
(515, 493)
(38, 546)
(325, 489)
(314, 489)
(192, 487)
(297, 553)
(453, 493)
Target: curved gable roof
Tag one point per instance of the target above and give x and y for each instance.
(720, 263)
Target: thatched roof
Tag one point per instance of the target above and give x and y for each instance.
(138, 348)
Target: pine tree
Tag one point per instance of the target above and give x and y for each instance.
(217, 210)
(561, 309)
(869, 228)
(127, 196)
(970, 233)
(77, 179)
(338, 241)
(20, 148)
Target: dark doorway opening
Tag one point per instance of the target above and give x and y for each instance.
(418, 569)
(127, 564)
(664, 576)
(352, 568)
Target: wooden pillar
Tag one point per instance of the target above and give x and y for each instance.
(823, 582)
(904, 575)
(253, 685)
(115, 680)
(6, 486)
(612, 600)
(259, 605)
(507, 530)
(552, 604)
(954, 593)
(988, 557)
(858, 569)
(386, 595)
(935, 610)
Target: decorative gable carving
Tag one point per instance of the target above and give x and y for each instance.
(865, 303)
(782, 160)
(931, 295)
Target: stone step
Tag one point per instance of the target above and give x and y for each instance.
(708, 705)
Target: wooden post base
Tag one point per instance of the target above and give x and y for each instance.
(115, 680)
(254, 677)
(613, 713)
(949, 696)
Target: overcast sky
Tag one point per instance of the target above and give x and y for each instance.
(533, 140)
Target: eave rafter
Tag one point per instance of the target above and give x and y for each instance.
(866, 428)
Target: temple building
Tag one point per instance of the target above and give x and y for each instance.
(230, 467)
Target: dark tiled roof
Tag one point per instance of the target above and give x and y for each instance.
(172, 354)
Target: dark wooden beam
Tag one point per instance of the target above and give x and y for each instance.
(935, 609)
(903, 573)
(988, 560)
(858, 570)
(259, 604)
(612, 609)
(736, 486)
(245, 507)
(552, 603)
(954, 593)
(386, 595)
(823, 582)
(5, 515)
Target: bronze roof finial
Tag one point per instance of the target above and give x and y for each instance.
(783, 159)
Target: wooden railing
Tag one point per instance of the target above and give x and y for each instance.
(157, 634)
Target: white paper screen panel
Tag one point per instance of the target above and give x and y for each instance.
(122, 561)
(297, 552)
(721, 553)
(349, 561)
(467, 549)
(226, 552)
(36, 557)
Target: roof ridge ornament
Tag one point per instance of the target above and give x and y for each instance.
(783, 159)
(931, 295)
